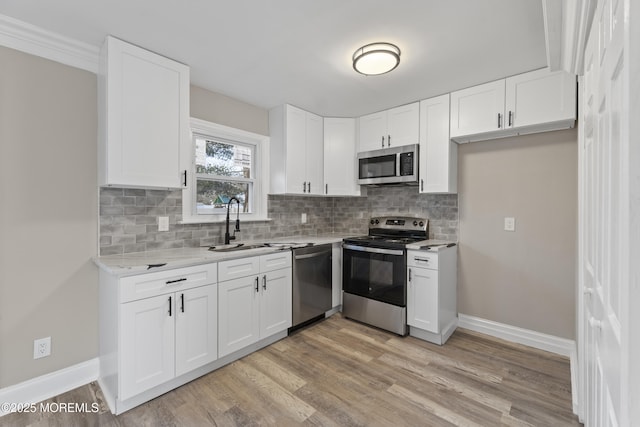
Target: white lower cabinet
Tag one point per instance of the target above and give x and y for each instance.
(157, 331)
(432, 312)
(166, 336)
(256, 305)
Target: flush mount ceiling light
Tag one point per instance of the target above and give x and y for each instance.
(376, 58)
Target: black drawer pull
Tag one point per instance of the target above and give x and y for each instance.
(184, 279)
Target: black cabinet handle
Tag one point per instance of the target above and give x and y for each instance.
(304, 187)
(309, 187)
(510, 118)
(409, 274)
(264, 282)
(185, 177)
(182, 302)
(176, 281)
(257, 284)
(499, 120)
(326, 189)
(170, 304)
(422, 185)
(382, 141)
(388, 140)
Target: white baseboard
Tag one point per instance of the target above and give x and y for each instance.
(528, 337)
(53, 384)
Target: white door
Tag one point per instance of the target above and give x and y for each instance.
(296, 140)
(275, 302)
(438, 154)
(478, 109)
(239, 316)
(147, 330)
(314, 154)
(373, 131)
(403, 125)
(539, 97)
(340, 157)
(196, 328)
(604, 224)
(422, 299)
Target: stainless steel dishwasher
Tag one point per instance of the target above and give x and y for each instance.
(311, 284)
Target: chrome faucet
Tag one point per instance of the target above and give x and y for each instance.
(227, 237)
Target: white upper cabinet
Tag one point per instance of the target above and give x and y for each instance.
(143, 116)
(477, 109)
(340, 157)
(390, 128)
(296, 151)
(537, 101)
(540, 97)
(438, 155)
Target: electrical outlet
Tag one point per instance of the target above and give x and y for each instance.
(163, 223)
(303, 218)
(509, 224)
(42, 347)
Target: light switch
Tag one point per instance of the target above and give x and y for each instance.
(163, 223)
(509, 224)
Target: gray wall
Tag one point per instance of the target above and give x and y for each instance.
(524, 278)
(48, 215)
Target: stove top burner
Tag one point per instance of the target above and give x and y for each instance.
(393, 232)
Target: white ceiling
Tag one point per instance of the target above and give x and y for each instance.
(269, 52)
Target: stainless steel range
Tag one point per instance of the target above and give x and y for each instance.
(374, 272)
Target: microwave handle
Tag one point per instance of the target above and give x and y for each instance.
(398, 171)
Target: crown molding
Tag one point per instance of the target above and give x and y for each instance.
(28, 38)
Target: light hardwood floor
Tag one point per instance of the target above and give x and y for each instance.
(341, 373)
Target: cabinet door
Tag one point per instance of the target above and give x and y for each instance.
(296, 137)
(147, 117)
(478, 109)
(340, 157)
(239, 315)
(422, 299)
(438, 155)
(373, 131)
(147, 345)
(275, 302)
(314, 154)
(196, 328)
(540, 97)
(403, 125)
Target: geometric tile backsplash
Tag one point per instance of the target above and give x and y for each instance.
(128, 217)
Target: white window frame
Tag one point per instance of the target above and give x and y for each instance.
(261, 173)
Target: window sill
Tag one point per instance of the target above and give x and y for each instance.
(222, 221)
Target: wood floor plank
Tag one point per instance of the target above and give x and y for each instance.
(342, 373)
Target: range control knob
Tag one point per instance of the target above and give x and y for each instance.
(415, 223)
(371, 221)
(377, 221)
(421, 223)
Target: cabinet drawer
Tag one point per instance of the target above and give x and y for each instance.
(422, 259)
(152, 284)
(275, 261)
(236, 268)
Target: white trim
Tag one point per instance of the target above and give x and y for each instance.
(49, 385)
(528, 337)
(28, 38)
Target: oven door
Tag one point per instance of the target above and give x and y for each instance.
(375, 273)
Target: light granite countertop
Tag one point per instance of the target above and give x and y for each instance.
(142, 262)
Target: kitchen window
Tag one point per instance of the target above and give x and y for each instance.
(224, 162)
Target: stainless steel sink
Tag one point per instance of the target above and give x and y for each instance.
(236, 247)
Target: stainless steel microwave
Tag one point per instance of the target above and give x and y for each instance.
(394, 165)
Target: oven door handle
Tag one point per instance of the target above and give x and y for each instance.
(374, 250)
